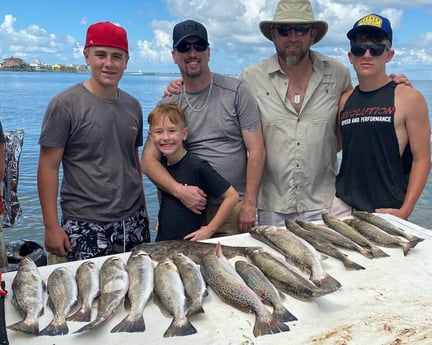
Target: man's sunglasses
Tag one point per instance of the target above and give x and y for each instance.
(199, 46)
(285, 30)
(374, 49)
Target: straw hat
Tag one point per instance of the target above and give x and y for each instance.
(294, 12)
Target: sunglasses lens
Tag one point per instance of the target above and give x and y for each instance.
(199, 46)
(358, 50)
(183, 47)
(285, 30)
(301, 30)
(374, 49)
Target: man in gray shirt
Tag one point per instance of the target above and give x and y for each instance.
(224, 129)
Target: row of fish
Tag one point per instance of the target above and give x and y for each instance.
(364, 233)
(178, 283)
(64, 291)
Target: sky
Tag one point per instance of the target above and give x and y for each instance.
(54, 31)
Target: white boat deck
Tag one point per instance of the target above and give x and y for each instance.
(387, 303)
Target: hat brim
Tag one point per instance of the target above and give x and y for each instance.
(187, 36)
(354, 31)
(321, 27)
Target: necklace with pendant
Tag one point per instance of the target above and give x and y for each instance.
(206, 101)
(298, 96)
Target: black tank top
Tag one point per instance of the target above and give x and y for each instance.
(372, 173)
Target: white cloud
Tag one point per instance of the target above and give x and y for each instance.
(30, 42)
(234, 34)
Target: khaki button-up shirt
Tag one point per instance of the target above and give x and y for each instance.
(301, 163)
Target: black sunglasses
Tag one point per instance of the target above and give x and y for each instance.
(199, 46)
(285, 30)
(374, 49)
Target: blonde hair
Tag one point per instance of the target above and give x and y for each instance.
(167, 111)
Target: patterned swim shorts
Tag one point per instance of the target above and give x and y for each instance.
(90, 239)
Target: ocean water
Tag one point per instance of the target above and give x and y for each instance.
(23, 99)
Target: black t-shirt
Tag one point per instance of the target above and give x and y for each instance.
(175, 219)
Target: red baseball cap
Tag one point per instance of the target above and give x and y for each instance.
(107, 34)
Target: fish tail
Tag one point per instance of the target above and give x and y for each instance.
(81, 315)
(180, 328)
(195, 309)
(55, 328)
(411, 244)
(130, 324)
(378, 253)
(95, 323)
(327, 283)
(351, 265)
(283, 314)
(272, 326)
(25, 326)
(366, 253)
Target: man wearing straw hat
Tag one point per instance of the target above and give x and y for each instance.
(298, 90)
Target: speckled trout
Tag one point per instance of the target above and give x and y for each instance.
(264, 288)
(221, 276)
(346, 230)
(284, 277)
(380, 237)
(385, 225)
(169, 296)
(322, 245)
(298, 252)
(334, 237)
(193, 281)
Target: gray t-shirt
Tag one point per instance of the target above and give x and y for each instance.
(215, 132)
(101, 182)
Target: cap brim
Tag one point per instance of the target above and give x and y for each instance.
(186, 36)
(321, 27)
(354, 31)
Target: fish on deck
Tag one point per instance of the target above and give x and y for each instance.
(221, 276)
(159, 251)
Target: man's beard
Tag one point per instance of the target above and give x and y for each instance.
(195, 74)
(293, 59)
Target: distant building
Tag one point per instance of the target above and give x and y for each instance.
(17, 64)
(12, 63)
(36, 65)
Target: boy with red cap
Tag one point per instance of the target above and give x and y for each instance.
(94, 130)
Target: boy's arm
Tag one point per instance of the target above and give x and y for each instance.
(416, 116)
(229, 199)
(56, 240)
(191, 196)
